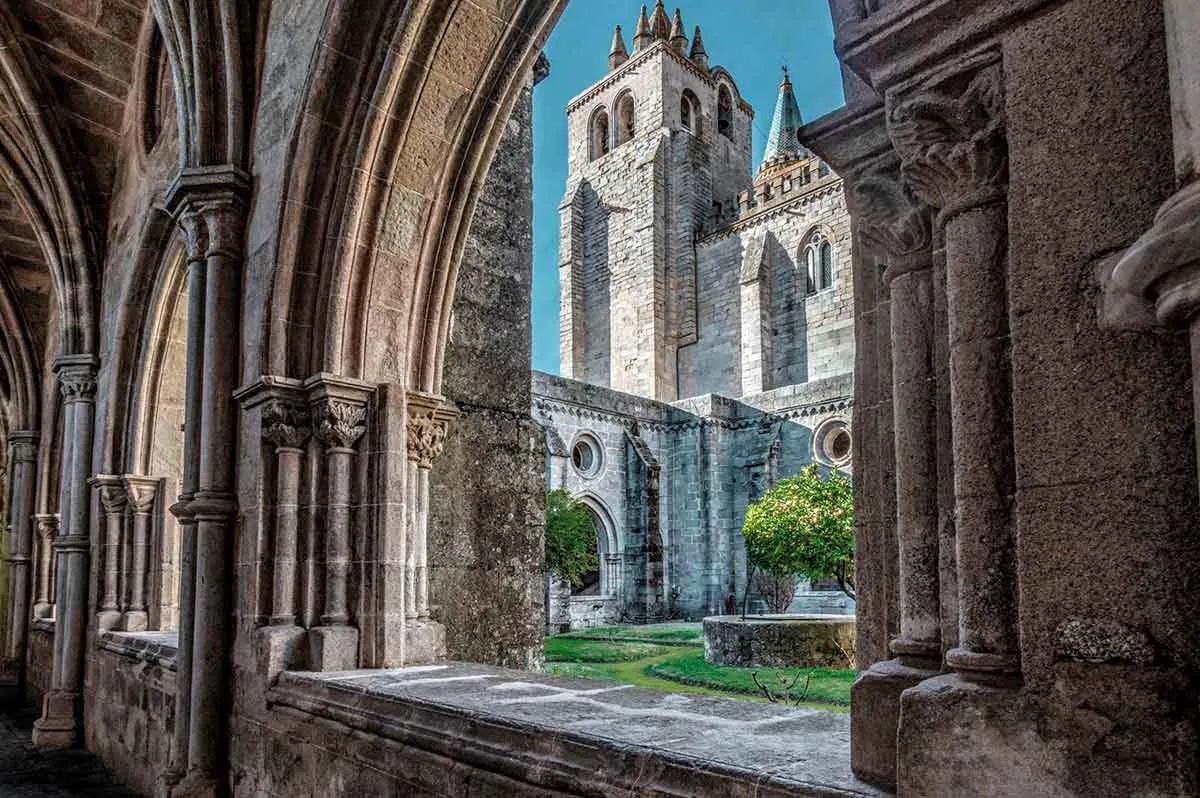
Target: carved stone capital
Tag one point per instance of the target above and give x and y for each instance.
(427, 425)
(339, 423)
(286, 424)
(112, 492)
(952, 143)
(47, 524)
(209, 204)
(76, 378)
(889, 219)
(142, 492)
(24, 445)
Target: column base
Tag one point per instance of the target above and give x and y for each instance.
(280, 648)
(108, 620)
(424, 642)
(57, 727)
(199, 784)
(43, 610)
(333, 648)
(875, 719)
(136, 621)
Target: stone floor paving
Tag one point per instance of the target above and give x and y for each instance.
(27, 772)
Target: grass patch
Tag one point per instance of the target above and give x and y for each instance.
(826, 685)
(666, 632)
(566, 649)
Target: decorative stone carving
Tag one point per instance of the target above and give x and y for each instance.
(1159, 267)
(77, 385)
(286, 424)
(339, 424)
(428, 423)
(952, 146)
(888, 218)
(113, 496)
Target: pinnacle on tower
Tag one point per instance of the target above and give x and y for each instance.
(699, 55)
(783, 141)
(678, 37)
(643, 38)
(660, 25)
(618, 54)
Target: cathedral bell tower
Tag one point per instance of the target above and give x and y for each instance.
(659, 149)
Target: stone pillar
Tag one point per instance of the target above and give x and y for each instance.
(339, 417)
(22, 481)
(114, 500)
(209, 206)
(428, 422)
(58, 727)
(142, 493)
(47, 530)
(182, 509)
(894, 225)
(954, 156)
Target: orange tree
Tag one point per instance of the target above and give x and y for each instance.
(804, 526)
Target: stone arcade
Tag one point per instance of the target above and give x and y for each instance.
(253, 468)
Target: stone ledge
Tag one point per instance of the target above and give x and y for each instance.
(582, 737)
(156, 648)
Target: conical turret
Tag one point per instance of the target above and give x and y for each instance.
(699, 55)
(782, 141)
(660, 24)
(678, 37)
(618, 54)
(644, 37)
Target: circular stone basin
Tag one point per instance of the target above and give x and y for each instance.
(780, 641)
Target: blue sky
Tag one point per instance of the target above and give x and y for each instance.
(750, 38)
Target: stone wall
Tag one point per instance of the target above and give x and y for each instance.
(486, 522)
(39, 662)
(131, 704)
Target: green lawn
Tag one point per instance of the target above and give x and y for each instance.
(621, 656)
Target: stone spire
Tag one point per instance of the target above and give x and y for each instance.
(782, 142)
(678, 37)
(618, 54)
(643, 38)
(699, 54)
(660, 24)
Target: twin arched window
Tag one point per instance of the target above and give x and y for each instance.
(600, 133)
(818, 263)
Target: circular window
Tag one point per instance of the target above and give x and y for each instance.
(832, 444)
(585, 455)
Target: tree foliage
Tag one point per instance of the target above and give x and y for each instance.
(570, 538)
(804, 525)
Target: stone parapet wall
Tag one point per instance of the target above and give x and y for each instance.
(780, 641)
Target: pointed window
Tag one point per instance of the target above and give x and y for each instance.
(626, 119)
(599, 135)
(725, 112)
(685, 113)
(818, 263)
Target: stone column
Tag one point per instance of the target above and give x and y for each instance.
(339, 417)
(47, 530)
(142, 493)
(895, 226)
(196, 278)
(58, 727)
(22, 481)
(428, 423)
(114, 500)
(954, 156)
(285, 424)
(209, 206)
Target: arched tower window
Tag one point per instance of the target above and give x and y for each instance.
(599, 135)
(626, 119)
(689, 111)
(725, 112)
(818, 263)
